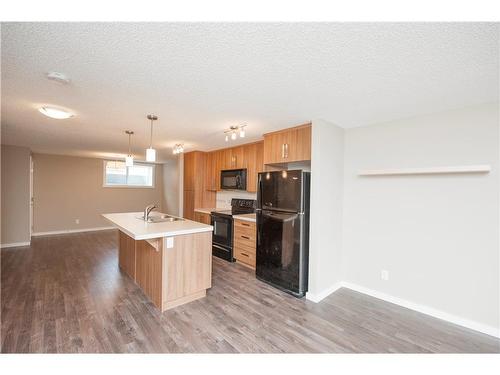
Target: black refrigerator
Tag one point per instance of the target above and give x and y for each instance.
(283, 230)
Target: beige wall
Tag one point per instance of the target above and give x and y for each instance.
(15, 194)
(171, 182)
(67, 188)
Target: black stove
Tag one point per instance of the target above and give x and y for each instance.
(222, 221)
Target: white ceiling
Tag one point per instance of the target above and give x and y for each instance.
(200, 78)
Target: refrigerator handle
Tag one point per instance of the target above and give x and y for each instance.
(259, 193)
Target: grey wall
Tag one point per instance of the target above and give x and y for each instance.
(437, 235)
(15, 194)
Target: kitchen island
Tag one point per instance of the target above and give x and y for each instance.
(170, 260)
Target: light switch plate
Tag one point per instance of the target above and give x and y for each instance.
(170, 242)
(384, 275)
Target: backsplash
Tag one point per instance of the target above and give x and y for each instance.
(223, 198)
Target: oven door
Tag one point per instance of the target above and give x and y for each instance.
(222, 237)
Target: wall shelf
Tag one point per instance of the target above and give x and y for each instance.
(432, 170)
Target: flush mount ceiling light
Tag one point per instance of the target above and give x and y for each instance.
(129, 159)
(151, 152)
(178, 148)
(233, 132)
(59, 114)
(58, 77)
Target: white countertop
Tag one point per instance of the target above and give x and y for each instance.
(209, 210)
(140, 230)
(246, 217)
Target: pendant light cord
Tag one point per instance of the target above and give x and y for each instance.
(151, 135)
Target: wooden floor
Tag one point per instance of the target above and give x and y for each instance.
(66, 294)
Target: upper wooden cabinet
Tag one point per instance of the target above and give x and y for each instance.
(249, 156)
(253, 156)
(288, 145)
(211, 168)
(231, 158)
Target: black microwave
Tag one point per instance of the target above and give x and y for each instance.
(234, 179)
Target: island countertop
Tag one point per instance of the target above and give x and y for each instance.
(129, 223)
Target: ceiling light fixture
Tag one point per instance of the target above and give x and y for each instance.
(59, 114)
(58, 77)
(129, 159)
(178, 148)
(233, 132)
(151, 152)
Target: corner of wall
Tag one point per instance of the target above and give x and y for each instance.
(327, 172)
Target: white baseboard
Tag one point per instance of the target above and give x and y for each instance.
(492, 331)
(316, 297)
(14, 244)
(489, 330)
(71, 231)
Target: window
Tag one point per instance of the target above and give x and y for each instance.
(117, 174)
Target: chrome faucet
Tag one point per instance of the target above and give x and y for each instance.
(148, 210)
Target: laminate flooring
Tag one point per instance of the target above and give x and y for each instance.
(66, 294)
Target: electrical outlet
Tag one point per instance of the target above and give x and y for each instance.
(170, 242)
(384, 275)
(77, 221)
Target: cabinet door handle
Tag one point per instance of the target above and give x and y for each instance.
(245, 224)
(283, 151)
(286, 150)
(245, 237)
(248, 256)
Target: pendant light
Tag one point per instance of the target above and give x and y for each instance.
(129, 159)
(151, 152)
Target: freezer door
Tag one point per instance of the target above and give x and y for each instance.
(281, 259)
(281, 190)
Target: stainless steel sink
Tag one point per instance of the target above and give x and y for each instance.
(160, 218)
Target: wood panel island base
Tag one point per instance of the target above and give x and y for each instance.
(174, 266)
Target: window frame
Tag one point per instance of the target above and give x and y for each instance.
(153, 176)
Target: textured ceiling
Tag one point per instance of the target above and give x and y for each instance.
(200, 78)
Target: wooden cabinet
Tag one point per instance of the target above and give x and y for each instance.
(202, 217)
(249, 156)
(237, 160)
(195, 193)
(211, 171)
(288, 145)
(126, 254)
(254, 162)
(149, 269)
(232, 158)
(191, 199)
(170, 276)
(244, 244)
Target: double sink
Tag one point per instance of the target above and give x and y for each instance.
(160, 218)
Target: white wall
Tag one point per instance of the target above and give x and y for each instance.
(325, 246)
(437, 235)
(171, 177)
